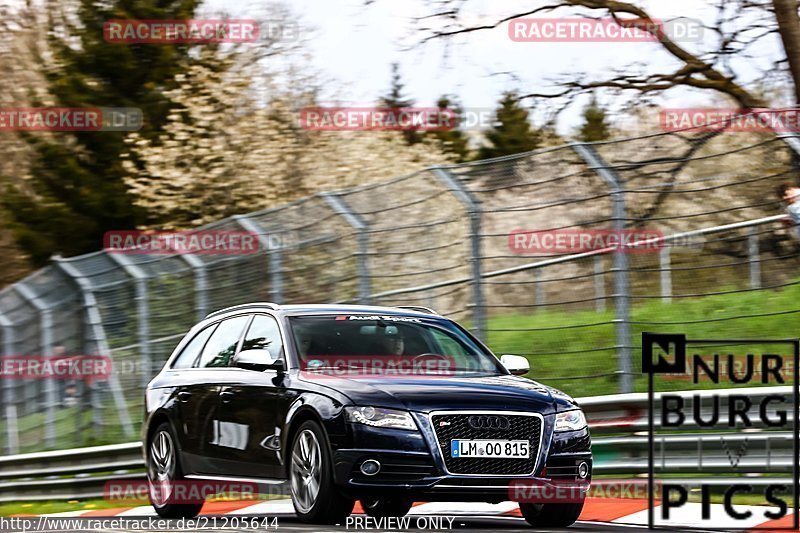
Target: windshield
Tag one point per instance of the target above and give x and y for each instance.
(356, 345)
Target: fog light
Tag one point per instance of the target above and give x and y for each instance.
(370, 467)
(583, 470)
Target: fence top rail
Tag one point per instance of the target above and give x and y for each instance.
(584, 255)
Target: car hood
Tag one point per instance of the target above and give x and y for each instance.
(510, 393)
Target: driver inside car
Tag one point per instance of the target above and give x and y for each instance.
(394, 343)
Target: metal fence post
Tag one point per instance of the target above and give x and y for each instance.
(275, 256)
(200, 284)
(620, 268)
(12, 429)
(666, 273)
(753, 257)
(791, 139)
(140, 278)
(359, 225)
(539, 289)
(472, 205)
(96, 335)
(46, 345)
(599, 284)
(276, 274)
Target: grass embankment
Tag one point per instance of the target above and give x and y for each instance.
(47, 507)
(566, 351)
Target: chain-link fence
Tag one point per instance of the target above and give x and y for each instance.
(454, 238)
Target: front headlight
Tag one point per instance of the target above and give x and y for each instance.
(380, 418)
(570, 420)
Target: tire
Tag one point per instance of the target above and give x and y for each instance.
(386, 507)
(163, 469)
(551, 514)
(315, 498)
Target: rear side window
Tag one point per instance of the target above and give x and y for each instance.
(264, 334)
(192, 350)
(222, 344)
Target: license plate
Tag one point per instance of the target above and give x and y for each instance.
(495, 449)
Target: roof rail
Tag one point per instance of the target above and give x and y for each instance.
(417, 308)
(269, 305)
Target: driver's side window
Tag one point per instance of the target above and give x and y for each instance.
(264, 334)
(222, 344)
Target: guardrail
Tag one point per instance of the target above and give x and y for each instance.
(83, 472)
(68, 474)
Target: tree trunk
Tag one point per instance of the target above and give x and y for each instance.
(789, 29)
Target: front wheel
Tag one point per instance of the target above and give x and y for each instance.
(551, 514)
(315, 498)
(386, 507)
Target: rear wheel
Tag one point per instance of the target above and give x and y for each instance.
(385, 507)
(315, 498)
(164, 474)
(551, 514)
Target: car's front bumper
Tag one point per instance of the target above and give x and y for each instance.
(412, 466)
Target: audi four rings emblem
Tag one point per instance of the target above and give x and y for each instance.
(499, 423)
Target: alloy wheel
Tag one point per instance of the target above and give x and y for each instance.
(161, 467)
(306, 470)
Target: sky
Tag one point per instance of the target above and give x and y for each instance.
(353, 44)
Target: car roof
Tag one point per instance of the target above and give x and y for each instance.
(317, 309)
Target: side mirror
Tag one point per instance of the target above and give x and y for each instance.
(259, 360)
(515, 364)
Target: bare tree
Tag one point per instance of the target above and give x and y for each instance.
(738, 26)
(789, 30)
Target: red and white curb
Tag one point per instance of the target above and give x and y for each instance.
(608, 510)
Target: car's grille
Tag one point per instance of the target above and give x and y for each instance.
(521, 427)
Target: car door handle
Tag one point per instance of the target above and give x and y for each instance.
(184, 396)
(226, 396)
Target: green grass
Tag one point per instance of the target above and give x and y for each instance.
(46, 507)
(73, 428)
